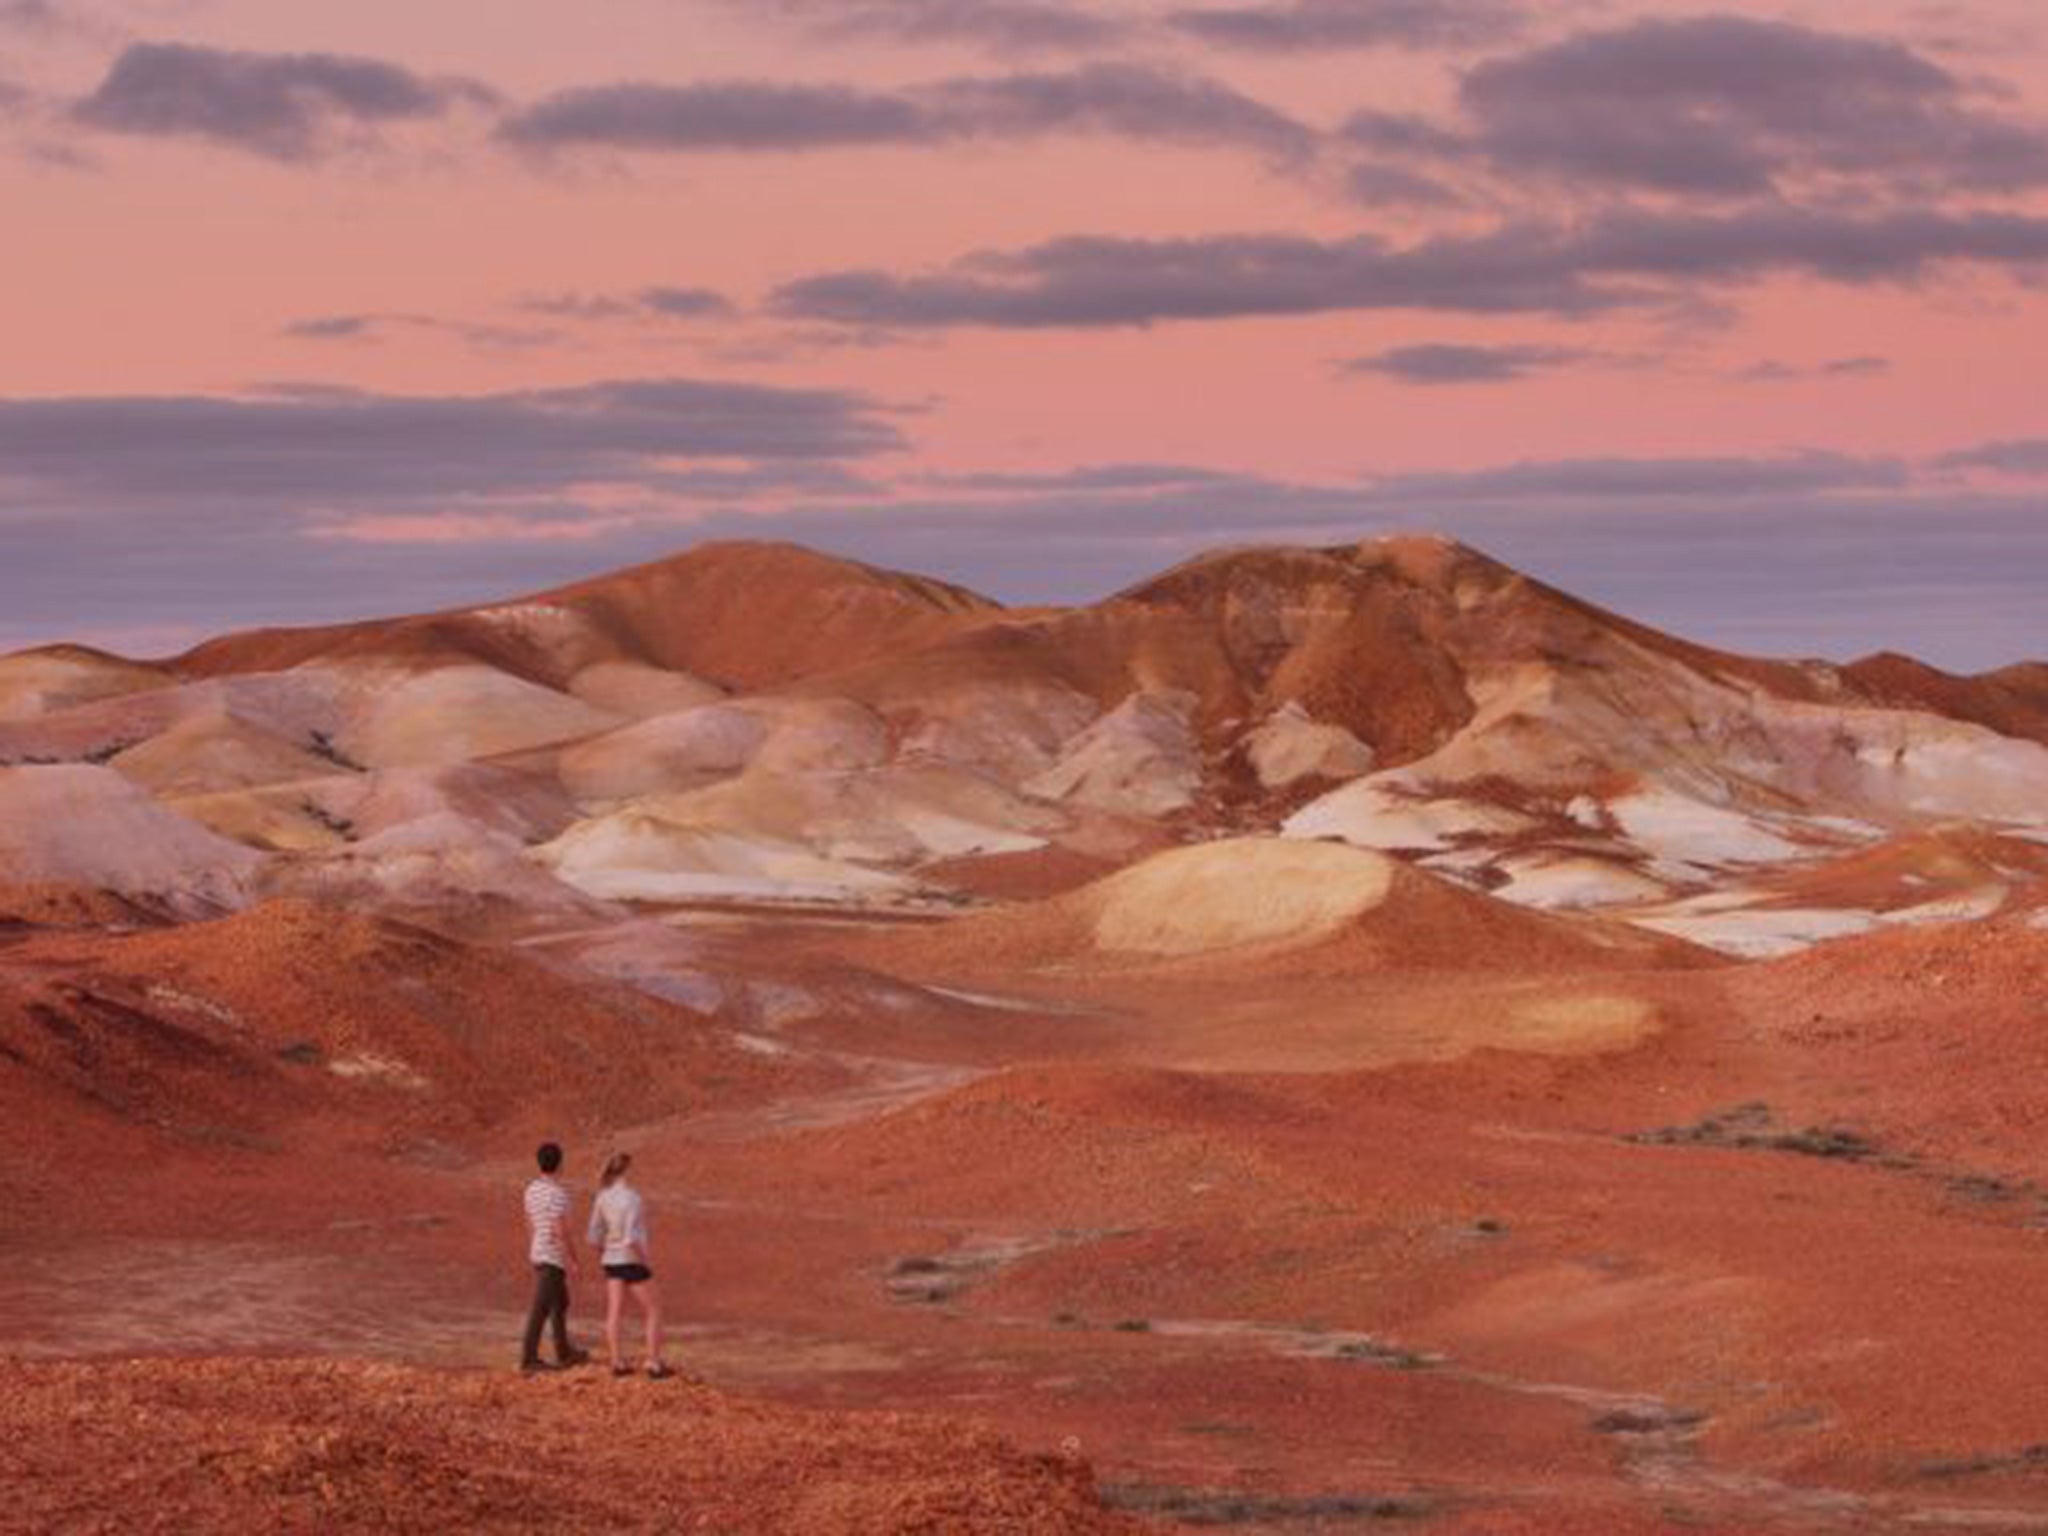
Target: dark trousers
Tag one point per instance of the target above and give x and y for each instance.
(550, 1306)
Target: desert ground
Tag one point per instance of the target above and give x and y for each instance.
(1325, 1039)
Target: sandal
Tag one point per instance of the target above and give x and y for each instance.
(622, 1369)
(659, 1372)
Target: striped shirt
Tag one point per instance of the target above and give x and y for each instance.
(547, 1208)
(619, 1222)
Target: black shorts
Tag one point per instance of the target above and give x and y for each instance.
(632, 1274)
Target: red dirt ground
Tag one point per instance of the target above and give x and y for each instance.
(1767, 1262)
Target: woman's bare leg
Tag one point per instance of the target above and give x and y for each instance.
(648, 1294)
(614, 1312)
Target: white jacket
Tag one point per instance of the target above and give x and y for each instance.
(618, 1222)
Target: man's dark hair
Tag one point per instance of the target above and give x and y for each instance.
(549, 1157)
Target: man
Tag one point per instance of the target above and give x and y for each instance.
(552, 1251)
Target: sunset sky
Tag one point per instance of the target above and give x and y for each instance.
(1732, 317)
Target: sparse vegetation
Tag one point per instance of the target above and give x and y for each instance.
(340, 826)
(321, 745)
(1752, 1127)
(1394, 1358)
(1204, 1506)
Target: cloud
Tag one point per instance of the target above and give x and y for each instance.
(1640, 479)
(295, 450)
(1629, 258)
(1375, 184)
(1005, 24)
(370, 327)
(1133, 101)
(1736, 106)
(1802, 553)
(1091, 477)
(732, 115)
(30, 15)
(1094, 281)
(1436, 363)
(1775, 371)
(2013, 456)
(286, 106)
(654, 303)
(1301, 26)
(686, 303)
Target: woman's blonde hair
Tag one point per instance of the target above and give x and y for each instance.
(615, 1167)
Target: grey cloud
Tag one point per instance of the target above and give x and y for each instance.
(730, 115)
(1093, 477)
(1007, 24)
(1132, 100)
(2013, 456)
(1135, 101)
(1375, 184)
(1776, 371)
(656, 303)
(1809, 554)
(282, 105)
(30, 16)
(1629, 258)
(685, 303)
(1649, 479)
(1297, 26)
(369, 327)
(1098, 281)
(1401, 133)
(1435, 363)
(1737, 106)
(1394, 146)
(328, 448)
(332, 327)
(1839, 247)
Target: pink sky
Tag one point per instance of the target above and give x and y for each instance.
(159, 261)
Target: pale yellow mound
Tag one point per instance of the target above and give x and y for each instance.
(1593, 1022)
(1239, 891)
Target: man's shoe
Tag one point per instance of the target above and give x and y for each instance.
(536, 1368)
(575, 1357)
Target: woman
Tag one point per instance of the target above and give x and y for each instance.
(618, 1224)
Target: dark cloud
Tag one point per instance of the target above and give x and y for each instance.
(2014, 456)
(1809, 554)
(1431, 363)
(732, 115)
(646, 305)
(1376, 184)
(1134, 101)
(1100, 281)
(1775, 371)
(332, 327)
(287, 106)
(686, 303)
(1718, 479)
(370, 327)
(1005, 24)
(1402, 133)
(327, 448)
(1736, 106)
(1633, 257)
(30, 15)
(1300, 26)
(1093, 477)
